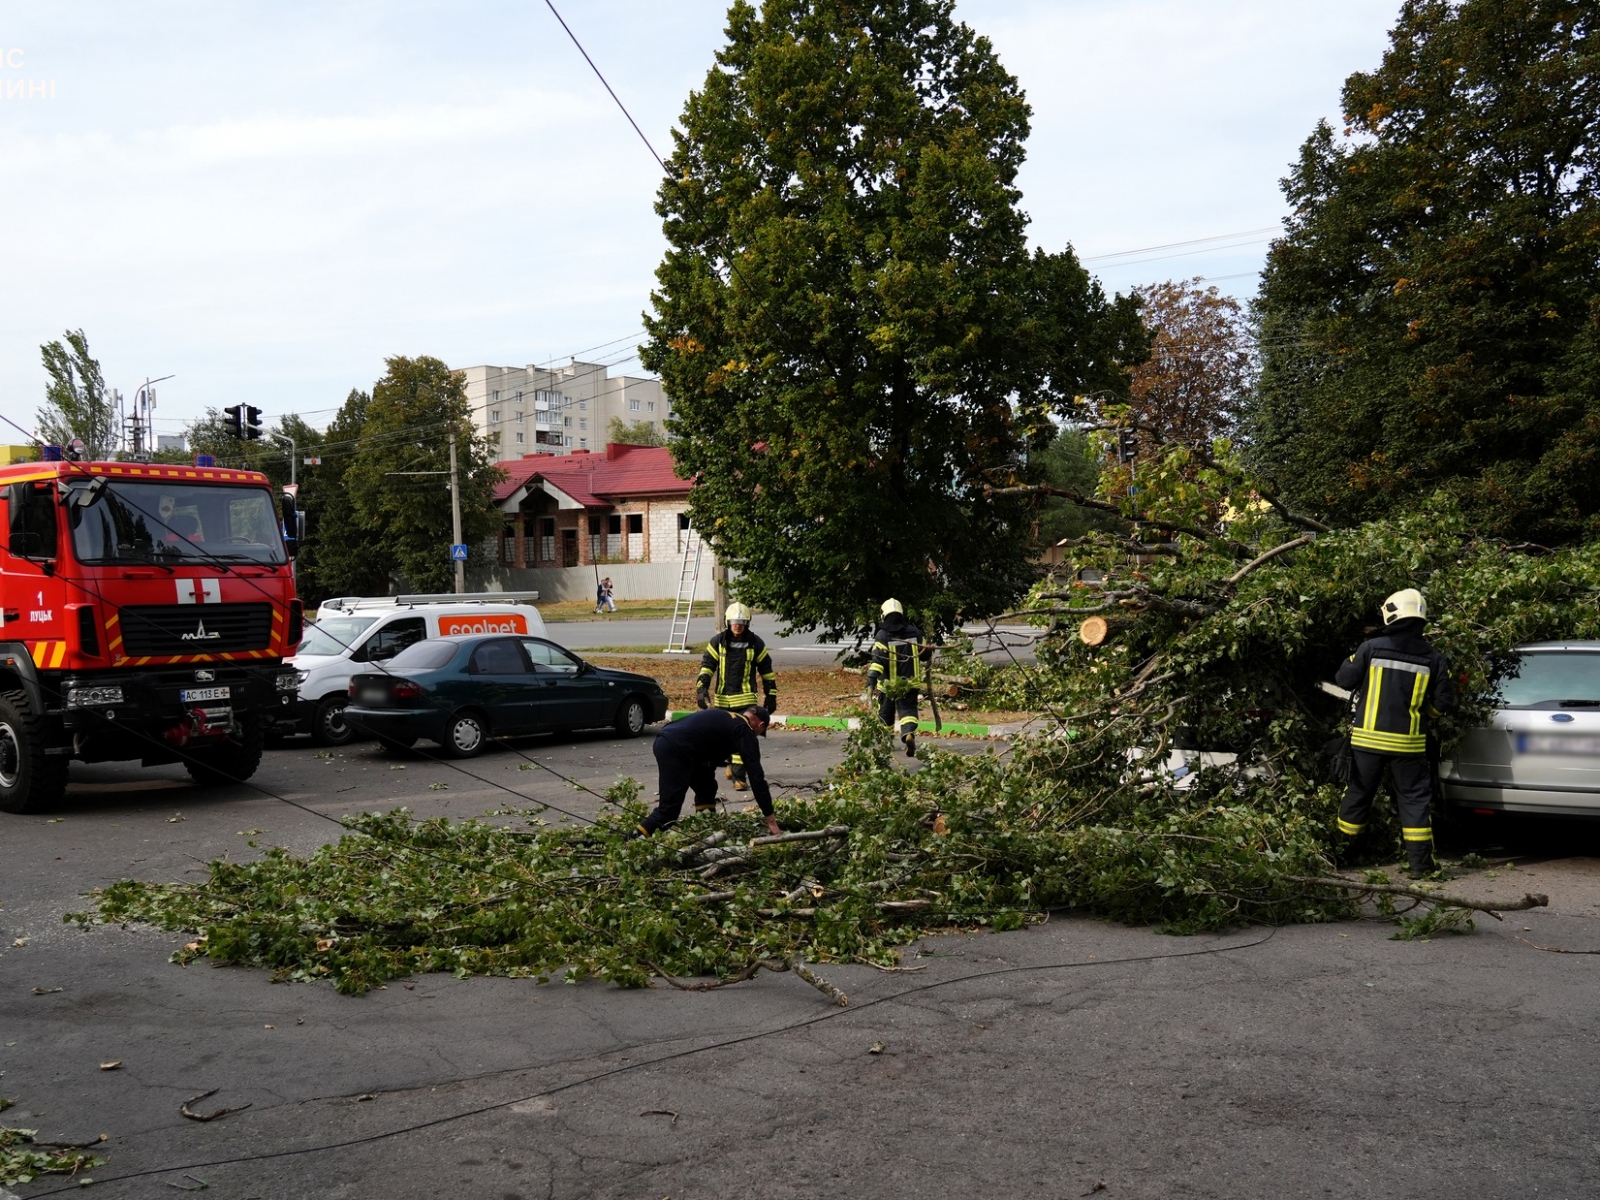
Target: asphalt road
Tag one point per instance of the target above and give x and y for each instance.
(1081, 1058)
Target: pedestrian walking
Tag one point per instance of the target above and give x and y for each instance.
(898, 672)
(688, 752)
(1400, 682)
(604, 601)
(729, 667)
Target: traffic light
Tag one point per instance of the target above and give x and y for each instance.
(252, 423)
(235, 417)
(1127, 445)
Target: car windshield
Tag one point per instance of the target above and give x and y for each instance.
(333, 635)
(173, 521)
(1550, 677)
(424, 656)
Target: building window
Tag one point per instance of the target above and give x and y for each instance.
(650, 406)
(519, 397)
(494, 417)
(583, 406)
(566, 422)
(633, 406)
(583, 443)
(519, 437)
(583, 422)
(547, 539)
(519, 416)
(635, 523)
(495, 395)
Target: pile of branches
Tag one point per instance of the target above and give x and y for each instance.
(884, 857)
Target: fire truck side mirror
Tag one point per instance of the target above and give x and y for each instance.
(291, 527)
(33, 521)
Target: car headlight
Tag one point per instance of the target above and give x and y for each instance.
(290, 681)
(93, 697)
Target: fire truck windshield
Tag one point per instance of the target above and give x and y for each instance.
(169, 521)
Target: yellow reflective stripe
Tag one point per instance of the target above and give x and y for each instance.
(1390, 743)
(1346, 827)
(1369, 717)
(1418, 689)
(1424, 834)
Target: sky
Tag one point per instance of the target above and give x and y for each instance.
(265, 198)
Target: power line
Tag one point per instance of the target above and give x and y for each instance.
(832, 1014)
(1254, 234)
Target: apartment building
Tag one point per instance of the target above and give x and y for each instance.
(556, 410)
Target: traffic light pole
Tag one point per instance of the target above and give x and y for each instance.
(455, 516)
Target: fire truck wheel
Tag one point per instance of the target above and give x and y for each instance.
(233, 761)
(328, 727)
(29, 781)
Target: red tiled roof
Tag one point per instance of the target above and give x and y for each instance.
(598, 480)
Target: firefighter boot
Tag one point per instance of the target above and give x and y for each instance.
(910, 740)
(1421, 864)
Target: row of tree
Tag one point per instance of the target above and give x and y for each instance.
(857, 340)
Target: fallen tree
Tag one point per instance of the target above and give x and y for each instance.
(1222, 612)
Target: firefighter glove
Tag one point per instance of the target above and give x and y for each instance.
(702, 697)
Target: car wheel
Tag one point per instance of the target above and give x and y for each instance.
(466, 735)
(632, 717)
(328, 725)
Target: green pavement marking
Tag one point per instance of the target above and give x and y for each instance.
(785, 722)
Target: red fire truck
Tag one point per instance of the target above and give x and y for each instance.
(145, 613)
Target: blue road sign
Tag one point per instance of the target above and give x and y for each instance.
(458, 553)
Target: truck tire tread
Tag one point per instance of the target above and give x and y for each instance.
(41, 780)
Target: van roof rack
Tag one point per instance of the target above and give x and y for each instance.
(352, 603)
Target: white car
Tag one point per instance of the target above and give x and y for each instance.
(1540, 753)
(352, 632)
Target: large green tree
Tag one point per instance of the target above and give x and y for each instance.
(75, 400)
(849, 323)
(339, 556)
(401, 518)
(1431, 318)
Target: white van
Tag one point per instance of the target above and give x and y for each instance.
(353, 631)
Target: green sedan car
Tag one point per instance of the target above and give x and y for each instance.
(463, 691)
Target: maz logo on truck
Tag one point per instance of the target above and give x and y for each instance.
(199, 591)
(200, 634)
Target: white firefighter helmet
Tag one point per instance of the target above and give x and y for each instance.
(891, 605)
(738, 614)
(1404, 604)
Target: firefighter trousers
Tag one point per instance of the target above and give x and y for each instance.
(1413, 784)
(678, 776)
(899, 712)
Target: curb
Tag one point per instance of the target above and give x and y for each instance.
(952, 727)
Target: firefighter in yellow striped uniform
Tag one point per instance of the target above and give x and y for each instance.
(1400, 681)
(898, 672)
(729, 668)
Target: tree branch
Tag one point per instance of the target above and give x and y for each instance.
(1268, 556)
(1529, 899)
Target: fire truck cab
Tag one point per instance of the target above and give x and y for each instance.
(145, 613)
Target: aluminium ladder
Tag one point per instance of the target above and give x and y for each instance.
(688, 581)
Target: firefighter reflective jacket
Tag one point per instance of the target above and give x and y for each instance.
(729, 667)
(897, 653)
(1398, 680)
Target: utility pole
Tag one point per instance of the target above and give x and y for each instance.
(455, 515)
